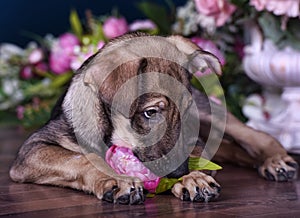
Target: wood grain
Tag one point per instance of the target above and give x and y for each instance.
(243, 194)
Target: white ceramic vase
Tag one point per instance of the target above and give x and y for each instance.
(277, 113)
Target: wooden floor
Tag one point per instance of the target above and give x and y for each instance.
(243, 194)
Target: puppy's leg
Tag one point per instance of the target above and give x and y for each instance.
(54, 165)
(271, 158)
(257, 148)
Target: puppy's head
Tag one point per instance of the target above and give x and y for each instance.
(144, 84)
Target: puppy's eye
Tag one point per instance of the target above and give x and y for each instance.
(150, 112)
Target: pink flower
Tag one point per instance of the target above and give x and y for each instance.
(20, 112)
(41, 66)
(83, 54)
(142, 25)
(209, 46)
(114, 27)
(26, 72)
(68, 40)
(123, 161)
(289, 8)
(220, 10)
(36, 56)
(100, 45)
(62, 53)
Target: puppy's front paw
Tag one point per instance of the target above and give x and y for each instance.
(279, 168)
(122, 190)
(197, 187)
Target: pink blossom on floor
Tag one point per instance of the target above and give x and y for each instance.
(220, 10)
(123, 161)
(114, 27)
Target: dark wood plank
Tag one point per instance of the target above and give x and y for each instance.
(244, 193)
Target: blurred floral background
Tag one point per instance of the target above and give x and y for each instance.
(32, 77)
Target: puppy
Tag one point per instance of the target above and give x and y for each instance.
(136, 93)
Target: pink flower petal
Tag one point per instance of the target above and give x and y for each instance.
(123, 161)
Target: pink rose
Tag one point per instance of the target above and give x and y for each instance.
(289, 8)
(220, 10)
(62, 53)
(142, 25)
(114, 27)
(123, 161)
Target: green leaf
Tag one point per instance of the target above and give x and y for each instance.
(195, 163)
(98, 34)
(75, 23)
(271, 27)
(199, 163)
(165, 184)
(158, 14)
(61, 80)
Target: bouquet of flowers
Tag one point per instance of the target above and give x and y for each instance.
(32, 78)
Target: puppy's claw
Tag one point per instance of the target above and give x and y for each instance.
(279, 169)
(137, 197)
(109, 195)
(294, 165)
(269, 176)
(128, 191)
(185, 195)
(196, 187)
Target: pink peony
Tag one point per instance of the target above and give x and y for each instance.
(289, 8)
(220, 10)
(123, 161)
(114, 27)
(62, 53)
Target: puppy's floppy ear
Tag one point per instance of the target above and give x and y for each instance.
(197, 59)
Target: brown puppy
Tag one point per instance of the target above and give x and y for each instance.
(136, 93)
